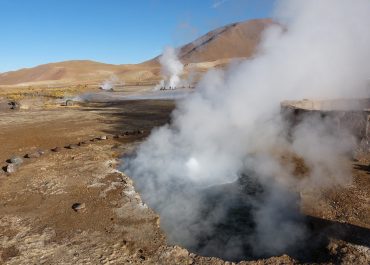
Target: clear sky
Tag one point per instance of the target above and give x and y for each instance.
(35, 32)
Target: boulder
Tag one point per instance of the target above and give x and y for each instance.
(11, 168)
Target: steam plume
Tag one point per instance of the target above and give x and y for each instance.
(231, 125)
(110, 83)
(171, 69)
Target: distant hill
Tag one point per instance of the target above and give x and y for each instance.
(214, 48)
(231, 41)
(78, 71)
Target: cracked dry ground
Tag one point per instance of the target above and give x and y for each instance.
(39, 226)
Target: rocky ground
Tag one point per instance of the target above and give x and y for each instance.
(70, 205)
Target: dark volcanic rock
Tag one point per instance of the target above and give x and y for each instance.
(78, 206)
(56, 149)
(9, 105)
(13, 105)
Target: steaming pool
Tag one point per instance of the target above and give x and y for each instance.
(227, 221)
(248, 218)
(245, 219)
(220, 220)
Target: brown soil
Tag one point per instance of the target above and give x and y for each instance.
(39, 226)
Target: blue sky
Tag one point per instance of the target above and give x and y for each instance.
(35, 32)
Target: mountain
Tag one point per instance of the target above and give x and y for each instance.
(216, 48)
(231, 41)
(77, 71)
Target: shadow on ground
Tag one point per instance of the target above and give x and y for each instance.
(132, 115)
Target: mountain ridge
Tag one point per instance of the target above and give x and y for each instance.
(236, 40)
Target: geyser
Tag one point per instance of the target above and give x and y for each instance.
(109, 84)
(188, 170)
(171, 69)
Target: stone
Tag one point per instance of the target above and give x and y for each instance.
(13, 105)
(11, 168)
(17, 160)
(33, 155)
(103, 137)
(69, 102)
(78, 206)
(56, 149)
(41, 152)
(72, 146)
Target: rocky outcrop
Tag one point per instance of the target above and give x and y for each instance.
(350, 114)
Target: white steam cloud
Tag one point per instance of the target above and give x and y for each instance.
(109, 84)
(171, 69)
(232, 126)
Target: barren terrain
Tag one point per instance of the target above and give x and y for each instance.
(72, 206)
(215, 49)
